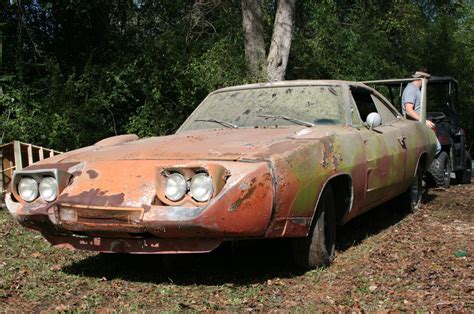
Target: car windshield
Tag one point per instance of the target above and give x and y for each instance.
(270, 106)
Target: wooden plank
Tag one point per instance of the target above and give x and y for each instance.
(30, 154)
(41, 153)
(17, 155)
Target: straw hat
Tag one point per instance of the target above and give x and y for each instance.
(421, 74)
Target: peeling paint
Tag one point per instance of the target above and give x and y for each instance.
(92, 174)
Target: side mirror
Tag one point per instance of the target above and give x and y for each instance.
(373, 120)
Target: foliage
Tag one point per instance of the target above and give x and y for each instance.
(74, 72)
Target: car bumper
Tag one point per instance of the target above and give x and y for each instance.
(241, 210)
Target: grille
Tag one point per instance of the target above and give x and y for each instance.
(100, 214)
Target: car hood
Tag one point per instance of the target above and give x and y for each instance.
(231, 144)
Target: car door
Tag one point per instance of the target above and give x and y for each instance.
(396, 139)
(384, 148)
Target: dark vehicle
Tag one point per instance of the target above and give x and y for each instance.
(454, 158)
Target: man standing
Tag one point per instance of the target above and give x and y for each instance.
(411, 102)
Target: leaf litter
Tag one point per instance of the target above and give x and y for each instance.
(386, 260)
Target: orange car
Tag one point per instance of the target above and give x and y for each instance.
(285, 159)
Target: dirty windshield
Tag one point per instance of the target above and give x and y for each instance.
(289, 105)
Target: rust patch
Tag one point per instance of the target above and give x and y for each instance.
(327, 153)
(243, 198)
(94, 196)
(92, 174)
(335, 161)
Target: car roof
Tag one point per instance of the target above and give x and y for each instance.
(442, 80)
(433, 80)
(290, 84)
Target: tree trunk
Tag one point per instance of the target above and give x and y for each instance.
(252, 15)
(281, 41)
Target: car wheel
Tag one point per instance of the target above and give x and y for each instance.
(440, 170)
(318, 248)
(410, 200)
(464, 176)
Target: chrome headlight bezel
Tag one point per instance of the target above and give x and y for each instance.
(175, 186)
(61, 177)
(201, 187)
(209, 177)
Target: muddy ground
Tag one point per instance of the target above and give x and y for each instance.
(386, 259)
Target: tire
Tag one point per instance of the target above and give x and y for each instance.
(415, 191)
(318, 248)
(464, 176)
(440, 170)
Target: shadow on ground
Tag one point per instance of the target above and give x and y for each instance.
(241, 263)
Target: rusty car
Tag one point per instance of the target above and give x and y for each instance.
(288, 159)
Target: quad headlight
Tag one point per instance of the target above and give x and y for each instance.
(201, 187)
(42, 184)
(175, 186)
(28, 189)
(48, 189)
(193, 184)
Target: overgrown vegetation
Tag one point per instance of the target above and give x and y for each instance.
(74, 72)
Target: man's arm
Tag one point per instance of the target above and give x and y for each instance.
(412, 114)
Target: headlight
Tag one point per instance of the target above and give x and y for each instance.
(48, 189)
(201, 187)
(28, 189)
(175, 186)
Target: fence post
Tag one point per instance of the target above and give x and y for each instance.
(17, 154)
(30, 155)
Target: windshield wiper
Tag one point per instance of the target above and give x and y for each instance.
(297, 121)
(226, 124)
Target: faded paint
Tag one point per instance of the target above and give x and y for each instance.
(266, 181)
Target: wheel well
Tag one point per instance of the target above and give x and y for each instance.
(422, 163)
(343, 195)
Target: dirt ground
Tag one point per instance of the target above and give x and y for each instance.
(386, 259)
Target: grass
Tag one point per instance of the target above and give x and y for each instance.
(409, 259)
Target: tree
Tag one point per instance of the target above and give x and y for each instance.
(277, 59)
(74, 72)
(252, 16)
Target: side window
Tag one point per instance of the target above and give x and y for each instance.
(384, 110)
(364, 102)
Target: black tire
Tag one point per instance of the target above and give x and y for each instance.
(440, 170)
(464, 176)
(318, 248)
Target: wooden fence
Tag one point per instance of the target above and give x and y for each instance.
(17, 155)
